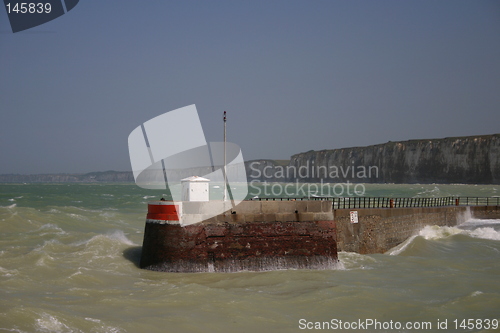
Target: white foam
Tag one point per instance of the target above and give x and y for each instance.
(44, 260)
(48, 229)
(484, 233)
(46, 243)
(120, 236)
(8, 272)
(49, 323)
(10, 207)
(115, 235)
(434, 192)
(435, 232)
(353, 260)
(108, 214)
(479, 222)
(401, 247)
(78, 217)
(93, 320)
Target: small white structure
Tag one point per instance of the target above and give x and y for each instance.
(195, 188)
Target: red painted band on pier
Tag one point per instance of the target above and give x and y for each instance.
(163, 210)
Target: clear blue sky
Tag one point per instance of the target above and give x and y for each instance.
(292, 75)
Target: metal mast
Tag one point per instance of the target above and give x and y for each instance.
(225, 177)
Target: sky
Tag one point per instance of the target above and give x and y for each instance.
(293, 76)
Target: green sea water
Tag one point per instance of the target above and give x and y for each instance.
(69, 263)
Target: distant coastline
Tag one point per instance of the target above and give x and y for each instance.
(457, 160)
(91, 177)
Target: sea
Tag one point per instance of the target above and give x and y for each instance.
(69, 256)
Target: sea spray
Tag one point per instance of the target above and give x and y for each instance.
(464, 216)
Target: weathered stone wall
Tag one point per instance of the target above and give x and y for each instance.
(380, 229)
(486, 212)
(256, 235)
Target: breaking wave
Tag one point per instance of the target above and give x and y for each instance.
(10, 206)
(116, 236)
(437, 233)
(485, 233)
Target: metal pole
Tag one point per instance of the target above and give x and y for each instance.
(225, 178)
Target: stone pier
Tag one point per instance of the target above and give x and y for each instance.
(270, 235)
(380, 229)
(255, 236)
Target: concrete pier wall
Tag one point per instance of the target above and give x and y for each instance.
(268, 235)
(255, 236)
(485, 212)
(380, 229)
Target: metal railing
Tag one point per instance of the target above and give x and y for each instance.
(387, 202)
(479, 201)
